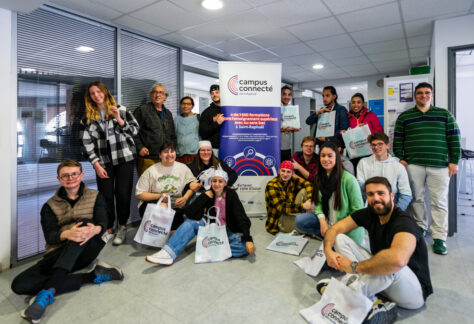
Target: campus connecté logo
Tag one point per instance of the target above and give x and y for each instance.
(232, 84)
(146, 227)
(333, 315)
(249, 87)
(211, 241)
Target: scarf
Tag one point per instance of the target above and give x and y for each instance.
(327, 185)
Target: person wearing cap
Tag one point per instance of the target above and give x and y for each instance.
(212, 119)
(231, 214)
(205, 163)
(280, 196)
(156, 126)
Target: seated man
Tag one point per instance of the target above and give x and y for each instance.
(73, 221)
(280, 196)
(398, 264)
(382, 164)
(306, 161)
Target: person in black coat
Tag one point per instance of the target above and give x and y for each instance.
(231, 214)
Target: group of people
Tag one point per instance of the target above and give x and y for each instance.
(177, 162)
(382, 241)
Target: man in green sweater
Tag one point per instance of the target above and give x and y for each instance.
(427, 142)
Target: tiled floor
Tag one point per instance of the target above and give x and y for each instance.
(265, 288)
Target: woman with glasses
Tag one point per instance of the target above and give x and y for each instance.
(187, 131)
(359, 115)
(107, 138)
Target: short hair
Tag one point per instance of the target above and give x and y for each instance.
(69, 163)
(359, 95)
(378, 136)
(167, 144)
(186, 97)
(423, 85)
(308, 139)
(332, 90)
(214, 87)
(287, 87)
(159, 85)
(379, 180)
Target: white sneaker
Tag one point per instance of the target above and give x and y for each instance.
(120, 236)
(160, 257)
(107, 236)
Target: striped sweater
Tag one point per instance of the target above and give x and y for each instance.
(428, 139)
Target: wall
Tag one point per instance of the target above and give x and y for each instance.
(448, 33)
(7, 141)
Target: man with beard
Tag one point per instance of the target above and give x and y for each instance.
(211, 120)
(398, 265)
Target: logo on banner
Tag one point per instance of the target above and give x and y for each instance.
(333, 315)
(232, 85)
(250, 162)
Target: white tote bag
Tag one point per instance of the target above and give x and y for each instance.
(288, 243)
(313, 264)
(326, 124)
(356, 141)
(338, 304)
(212, 243)
(155, 227)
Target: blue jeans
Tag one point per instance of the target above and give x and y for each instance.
(308, 223)
(188, 230)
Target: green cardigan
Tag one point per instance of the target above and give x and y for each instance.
(351, 201)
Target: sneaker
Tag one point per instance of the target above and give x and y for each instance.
(120, 236)
(321, 285)
(423, 231)
(106, 272)
(382, 313)
(160, 257)
(37, 308)
(107, 237)
(439, 247)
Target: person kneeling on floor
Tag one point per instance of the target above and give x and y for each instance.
(232, 215)
(397, 268)
(73, 221)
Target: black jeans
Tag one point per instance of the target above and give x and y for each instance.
(70, 257)
(119, 186)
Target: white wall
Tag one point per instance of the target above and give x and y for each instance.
(448, 33)
(7, 141)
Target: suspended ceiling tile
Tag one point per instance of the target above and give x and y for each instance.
(316, 29)
(374, 17)
(414, 10)
(387, 46)
(194, 6)
(94, 9)
(292, 12)
(292, 50)
(378, 34)
(347, 61)
(341, 6)
(137, 24)
(208, 34)
(342, 53)
(273, 38)
(368, 68)
(257, 56)
(331, 43)
(125, 6)
(419, 41)
(245, 24)
(235, 46)
(422, 51)
(183, 40)
(393, 55)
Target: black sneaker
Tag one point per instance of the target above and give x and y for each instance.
(37, 308)
(382, 313)
(105, 272)
(321, 285)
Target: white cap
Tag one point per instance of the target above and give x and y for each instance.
(220, 173)
(205, 144)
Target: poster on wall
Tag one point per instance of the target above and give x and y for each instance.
(250, 134)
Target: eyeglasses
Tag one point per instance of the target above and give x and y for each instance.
(377, 145)
(309, 145)
(73, 175)
(154, 93)
(186, 104)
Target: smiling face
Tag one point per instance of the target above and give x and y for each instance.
(205, 153)
(218, 185)
(328, 98)
(285, 96)
(356, 104)
(379, 199)
(186, 106)
(285, 174)
(328, 159)
(70, 177)
(308, 148)
(380, 149)
(423, 97)
(168, 156)
(158, 96)
(97, 96)
(216, 96)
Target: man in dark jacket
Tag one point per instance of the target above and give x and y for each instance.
(212, 119)
(73, 221)
(156, 125)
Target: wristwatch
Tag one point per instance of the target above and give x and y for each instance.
(353, 266)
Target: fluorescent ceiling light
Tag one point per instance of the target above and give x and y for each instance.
(212, 4)
(318, 66)
(354, 88)
(84, 49)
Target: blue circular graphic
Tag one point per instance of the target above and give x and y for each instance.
(249, 152)
(230, 161)
(269, 162)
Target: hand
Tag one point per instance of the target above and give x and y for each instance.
(209, 193)
(116, 112)
(343, 131)
(331, 258)
(405, 164)
(308, 205)
(294, 130)
(165, 198)
(322, 139)
(220, 119)
(344, 264)
(144, 152)
(180, 202)
(101, 173)
(250, 247)
(72, 234)
(323, 226)
(453, 169)
(285, 129)
(322, 110)
(296, 165)
(88, 232)
(195, 186)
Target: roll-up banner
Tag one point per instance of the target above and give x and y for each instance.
(250, 134)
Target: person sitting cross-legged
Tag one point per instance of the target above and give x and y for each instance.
(73, 221)
(397, 266)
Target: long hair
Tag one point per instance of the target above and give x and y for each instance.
(338, 169)
(200, 165)
(92, 111)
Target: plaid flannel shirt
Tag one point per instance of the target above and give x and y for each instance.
(280, 199)
(311, 167)
(119, 139)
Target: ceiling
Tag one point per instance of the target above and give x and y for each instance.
(351, 38)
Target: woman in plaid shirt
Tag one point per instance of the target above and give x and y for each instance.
(108, 142)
